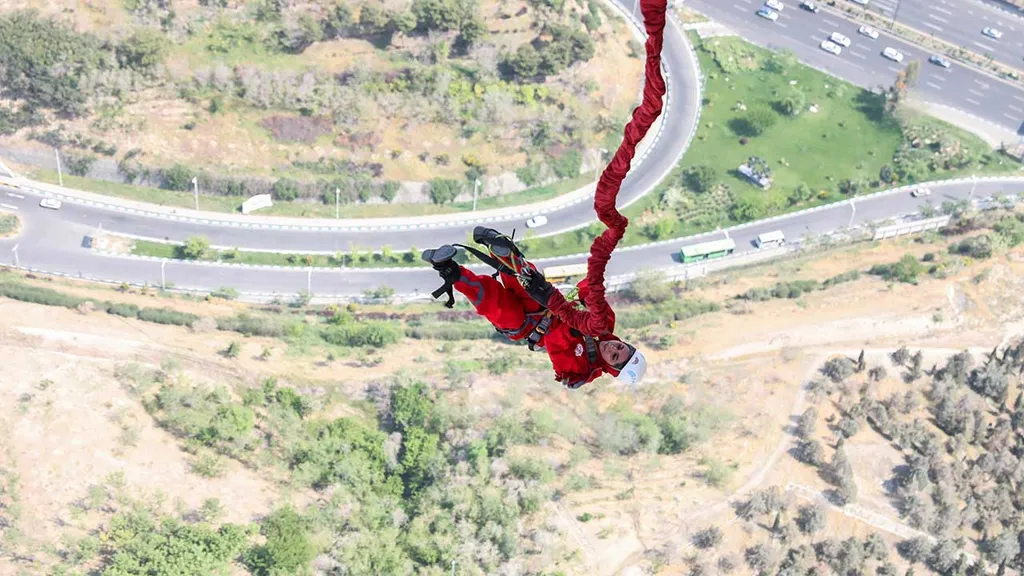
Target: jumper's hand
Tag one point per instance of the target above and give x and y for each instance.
(538, 287)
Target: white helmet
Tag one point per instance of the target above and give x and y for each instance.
(634, 369)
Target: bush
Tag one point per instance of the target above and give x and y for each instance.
(700, 179)
(757, 120)
(568, 164)
(250, 325)
(77, 164)
(978, 247)
(850, 276)
(194, 248)
(178, 177)
(39, 295)
(165, 316)
(120, 309)
(444, 191)
(285, 190)
(288, 549)
(8, 223)
(625, 432)
(375, 334)
(906, 270)
(529, 174)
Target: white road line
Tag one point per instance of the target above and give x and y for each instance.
(975, 92)
(829, 22)
(984, 85)
(936, 86)
(861, 56)
(13, 195)
(933, 26)
(1014, 108)
(1018, 98)
(894, 69)
(943, 10)
(934, 17)
(1011, 117)
(783, 25)
(9, 206)
(825, 32)
(738, 7)
(989, 48)
(975, 102)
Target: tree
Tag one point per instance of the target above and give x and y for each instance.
(143, 51)
(758, 119)
(810, 452)
(839, 468)
(838, 369)
(388, 191)
(195, 247)
(443, 191)
(760, 558)
(707, 538)
(806, 423)
(944, 556)
(747, 207)
(885, 174)
(848, 426)
(915, 550)
(811, 518)
(373, 19)
(1003, 548)
(793, 103)
(288, 549)
(178, 177)
(802, 193)
(285, 189)
(861, 364)
(525, 62)
(875, 547)
(700, 178)
(877, 373)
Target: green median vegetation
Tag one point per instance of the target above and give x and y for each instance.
(9, 224)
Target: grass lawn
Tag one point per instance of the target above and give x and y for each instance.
(383, 259)
(162, 197)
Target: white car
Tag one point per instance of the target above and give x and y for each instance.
(861, 2)
(892, 54)
(919, 192)
(51, 203)
(774, 5)
(537, 221)
(992, 33)
(840, 39)
(766, 12)
(829, 46)
(869, 32)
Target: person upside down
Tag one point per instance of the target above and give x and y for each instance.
(580, 343)
(524, 305)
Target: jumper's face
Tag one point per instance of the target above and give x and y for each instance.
(614, 352)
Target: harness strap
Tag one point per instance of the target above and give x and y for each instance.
(591, 347)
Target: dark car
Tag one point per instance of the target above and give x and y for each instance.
(809, 6)
(940, 61)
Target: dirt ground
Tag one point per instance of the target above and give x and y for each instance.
(65, 413)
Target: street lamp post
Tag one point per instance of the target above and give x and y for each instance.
(853, 205)
(337, 203)
(895, 14)
(17, 264)
(195, 190)
(974, 184)
(163, 282)
(60, 175)
(600, 160)
(476, 184)
(309, 282)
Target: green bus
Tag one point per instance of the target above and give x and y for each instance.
(708, 250)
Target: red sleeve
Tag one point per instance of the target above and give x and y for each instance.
(598, 319)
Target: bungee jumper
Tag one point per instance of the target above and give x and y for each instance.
(578, 336)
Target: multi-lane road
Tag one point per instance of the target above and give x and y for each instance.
(863, 64)
(960, 23)
(56, 249)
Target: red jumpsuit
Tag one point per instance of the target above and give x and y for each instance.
(510, 308)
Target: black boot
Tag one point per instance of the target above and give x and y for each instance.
(441, 259)
(501, 247)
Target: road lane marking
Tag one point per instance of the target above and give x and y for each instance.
(975, 92)
(1011, 117)
(738, 7)
(861, 56)
(1014, 108)
(13, 195)
(975, 102)
(943, 10)
(830, 23)
(989, 48)
(894, 69)
(825, 32)
(934, 17)
(933, 26)
(1018, 98)
(9, 206)
(783, 25)
(936, 86)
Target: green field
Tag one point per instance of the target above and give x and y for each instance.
(161, 197)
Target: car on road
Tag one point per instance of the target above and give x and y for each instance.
(809, 6)
(940, 61)
(766, 12)
(861, 2)
(774, 5)
(832, 47)
(537, 221)
(51, 203)
(892, 54)
(840, 39)
(992, 33)
(919, 192)
(868, 31)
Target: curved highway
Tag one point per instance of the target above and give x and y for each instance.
(678, 120)
(51, 250)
